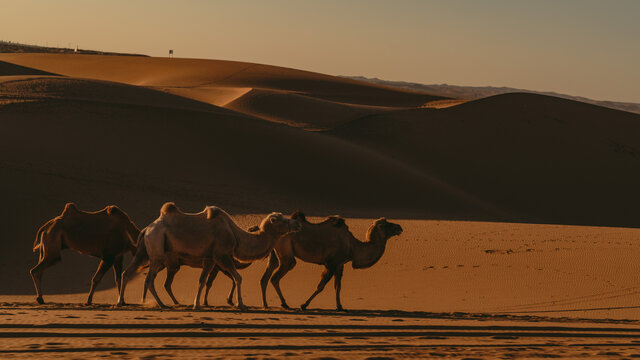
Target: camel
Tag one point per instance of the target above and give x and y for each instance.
(173, 268)
(329, 243)
(210, 237)
(106, 234)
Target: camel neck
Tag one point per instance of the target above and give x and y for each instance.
(366, 254)
(253, 246)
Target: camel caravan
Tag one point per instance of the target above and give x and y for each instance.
(209, 240)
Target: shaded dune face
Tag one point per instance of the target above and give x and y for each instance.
(540, 158)
(7, 68)
(138, 132)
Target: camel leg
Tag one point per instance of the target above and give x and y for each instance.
(207, 266)
(226, 263)
(145, 285)
(36, 275)
(327, 274)
(171, 273)
(117, 271)
(103, 267)
(132, 268)
(264, 281)
(212, 276)
(233, 289)
(286, 265)
(154, 268)
(338, 285)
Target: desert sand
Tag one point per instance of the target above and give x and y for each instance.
(519, 210)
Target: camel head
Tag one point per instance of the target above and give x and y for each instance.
(385, 228)
(275, 223)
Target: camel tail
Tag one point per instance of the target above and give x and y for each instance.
(142, 257)
(37, 244)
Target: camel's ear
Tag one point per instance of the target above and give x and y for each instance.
(254, 228)
(212, 212)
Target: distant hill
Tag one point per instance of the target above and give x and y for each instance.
(12, 47)
(478, 92)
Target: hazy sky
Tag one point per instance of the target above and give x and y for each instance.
(583, 47)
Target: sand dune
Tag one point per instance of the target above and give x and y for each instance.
(137, 132)
(299, 110)
(165, 72)
(43, 88)
(540, 158)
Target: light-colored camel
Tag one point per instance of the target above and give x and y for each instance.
(174, 266)
(106, 234)
(329, 243)
(210, 237)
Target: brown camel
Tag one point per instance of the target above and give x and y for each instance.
(106, 234)
(210, 237)
(329, 243)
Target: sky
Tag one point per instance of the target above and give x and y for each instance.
(582, 47)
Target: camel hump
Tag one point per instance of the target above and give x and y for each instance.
(212, 212)
(298, 215)
(70, 208)
(114, 210)
(336, 221)
(168, 207)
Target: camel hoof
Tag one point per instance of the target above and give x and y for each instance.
(303, 307)
(230, 302)
(120, 304)
(86, 304)
(285, 306)
(40, 300)
(242, 307)
(340, 308)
